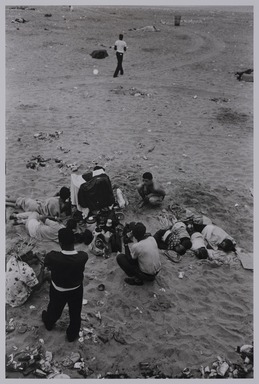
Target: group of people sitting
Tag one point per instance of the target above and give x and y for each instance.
(88, 200)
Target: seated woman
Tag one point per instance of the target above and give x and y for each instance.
(55, 206)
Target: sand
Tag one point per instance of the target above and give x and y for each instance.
(179, 112)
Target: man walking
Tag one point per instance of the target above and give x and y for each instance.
(120, 47)
(66, 287)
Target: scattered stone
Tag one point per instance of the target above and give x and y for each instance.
(22, 328)
(19, 20)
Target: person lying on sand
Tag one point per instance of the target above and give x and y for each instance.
(55, 206)
(199, 245)
(142, 262)
(176, 238)
(38, 226)
(66, 287)
(150, 192)
(215, 237)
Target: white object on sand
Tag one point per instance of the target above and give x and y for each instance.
(120, 198)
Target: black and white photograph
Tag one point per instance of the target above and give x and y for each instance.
(129, 190)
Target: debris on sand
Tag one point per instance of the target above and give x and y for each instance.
(47, 136)
(220, 99)
(148, 28)
(131, 91)
(247, 75)
(19, 20)
(36, 161)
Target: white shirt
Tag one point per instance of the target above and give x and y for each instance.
(197, 241)
(147, 253)
(214, 235)
(120, 44)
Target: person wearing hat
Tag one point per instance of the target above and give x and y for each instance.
(66, 287)
(55, 206)
(142, 262)
(149, 191)
(120, 47)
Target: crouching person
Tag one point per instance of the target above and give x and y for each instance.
(66, 287)
(142, 263)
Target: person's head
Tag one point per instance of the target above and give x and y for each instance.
(66, 238)
(180, 249)
(186, 243)
(120, 36)
(64, 193)
(139, 231)
(87, 237)
(127, 230)
(227, 246)
(147, 178)
(202, 253)
(71, 224)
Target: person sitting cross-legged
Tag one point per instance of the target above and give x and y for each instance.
(142, 262)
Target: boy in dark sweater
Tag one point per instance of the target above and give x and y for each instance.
(66, 287)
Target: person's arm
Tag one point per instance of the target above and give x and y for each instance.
(140, 189)
(115, 47)
(47, 262)
(126, 241)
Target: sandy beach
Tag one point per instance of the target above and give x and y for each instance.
(178, 112)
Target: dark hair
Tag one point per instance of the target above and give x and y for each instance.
(71, 224)
(120, 36)
(128, 227)
(98, 167)
(228, 245)
(64, 193)
(66, 237)
(87, 237)
(139, 231)
(202, 253)
(180, 249)
(147, 175)
(186, 243)
(67, 208)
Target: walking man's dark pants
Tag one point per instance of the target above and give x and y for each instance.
(119, 65)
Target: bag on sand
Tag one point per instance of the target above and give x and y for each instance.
(20, 279)
(98, 246)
